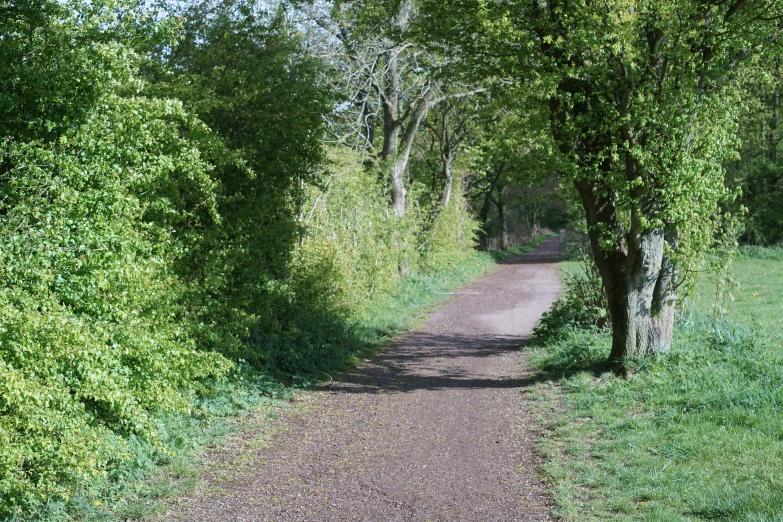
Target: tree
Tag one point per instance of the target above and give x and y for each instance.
(49, 80)
(512, 152)
(759, 171)
(391, 84)
(643, 113)
(244, 74)
(451, 124)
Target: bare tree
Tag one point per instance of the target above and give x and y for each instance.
(392, 82)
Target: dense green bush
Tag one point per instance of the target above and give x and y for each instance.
(352, 230)
(358, 242)
(582, 305)
(168, 214)
(97, 179)
(246, 76)
(349, 256)
(91, 344)
(450, 235)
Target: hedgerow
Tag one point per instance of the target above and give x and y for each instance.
(164, 231)
(91, 346)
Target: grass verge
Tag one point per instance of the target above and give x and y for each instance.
(696, 435)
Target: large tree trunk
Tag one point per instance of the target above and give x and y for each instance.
(400, 162)
(391, 133)
(399, 151)
(393, 121)
(640, 282)
(641, 292)
(398, 186)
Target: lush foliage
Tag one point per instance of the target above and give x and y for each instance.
(642, 116)
(581, 305)
(92, 346)
(644, 111)
(758, 170)
(263, 100)
(91, 341)
(177, 240)
(694, 435)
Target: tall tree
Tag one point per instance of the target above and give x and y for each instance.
(643, 115)
(759, 170)
(392, 80)
(512, 150)
(390, 84)
(243, 72)
(449, 126)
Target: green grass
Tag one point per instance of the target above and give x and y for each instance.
(414, 296)
(135, 490)
(696, 435)
(758, 300)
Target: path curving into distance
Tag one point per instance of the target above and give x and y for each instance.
(434, 429)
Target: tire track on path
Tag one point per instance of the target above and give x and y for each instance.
(436, 428)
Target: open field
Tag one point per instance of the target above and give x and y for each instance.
(696, 435)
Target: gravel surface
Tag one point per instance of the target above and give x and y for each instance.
(434, 429)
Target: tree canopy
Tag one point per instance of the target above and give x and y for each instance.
(643, 109)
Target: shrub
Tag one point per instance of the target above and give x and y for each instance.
(450, 237)
(582, 305)
(91, 346)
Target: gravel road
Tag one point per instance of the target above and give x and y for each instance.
(434, 429)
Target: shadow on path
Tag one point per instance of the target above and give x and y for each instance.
(435, 428)
(425, 361)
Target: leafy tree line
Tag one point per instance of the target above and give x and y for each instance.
(758, 170)
(188, 196)
(643, 105)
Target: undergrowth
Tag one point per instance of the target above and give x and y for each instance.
(758, 252)
(134, 489)
(694, 435)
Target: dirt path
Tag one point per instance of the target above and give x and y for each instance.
(434, 429)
